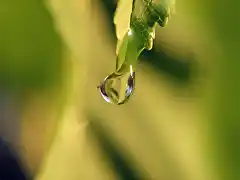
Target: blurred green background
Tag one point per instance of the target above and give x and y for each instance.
(181, 124)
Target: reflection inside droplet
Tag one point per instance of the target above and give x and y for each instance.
(117, 88)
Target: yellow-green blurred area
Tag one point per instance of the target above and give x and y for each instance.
(182, 122)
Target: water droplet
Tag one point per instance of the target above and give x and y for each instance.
(117, 88)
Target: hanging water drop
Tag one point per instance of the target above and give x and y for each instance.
(117, 88)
